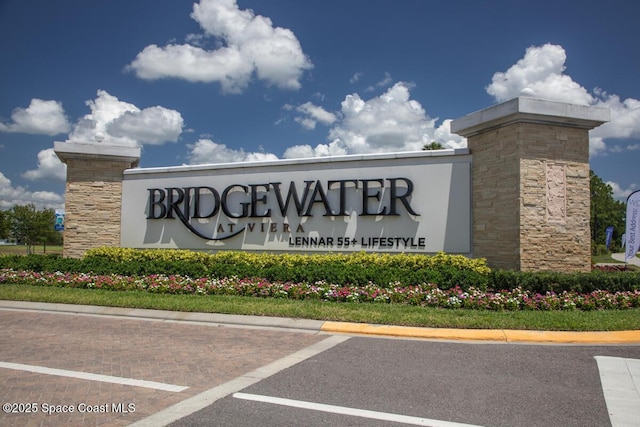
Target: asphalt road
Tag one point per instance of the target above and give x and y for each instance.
(433, 382)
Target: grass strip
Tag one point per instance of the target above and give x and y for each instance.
(388, 314)
(37, 249)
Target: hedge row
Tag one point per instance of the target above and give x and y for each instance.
(358, 269)
(382, 270)
(583, 283)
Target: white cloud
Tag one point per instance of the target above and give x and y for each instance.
(335, 148)
(386, 123)
(195, 39)
(620, 193)
(313, 114)
(153, 125)
(10, 196)
(540, 73)
(389, 122)
(444, 136)
(194, 64)
(356, 77)
(250, 44)
(386, 81)
(625, 117)
(317, 113)
(306, 122)
(119, 123)
(596, 145)
(40, 117)
(49, 167)
(122, 123)
(206, 151)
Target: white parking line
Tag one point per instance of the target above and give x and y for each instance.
(342, 410)
(620, 380)
(207, 397)
(93, 377)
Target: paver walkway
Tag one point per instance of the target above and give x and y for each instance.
(196, 356)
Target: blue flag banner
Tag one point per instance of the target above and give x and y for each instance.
(633, 225)
(58, 224)
(609, 234)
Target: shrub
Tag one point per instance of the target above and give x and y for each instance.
(541, 282)
(598, 249)
(356, 269)
(345, 269)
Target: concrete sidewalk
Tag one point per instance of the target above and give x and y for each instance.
(620, 257)
(329, 327)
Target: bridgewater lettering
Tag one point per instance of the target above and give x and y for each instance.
(264, 200)
(185, 202)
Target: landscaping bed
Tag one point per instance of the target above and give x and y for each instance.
(441, 280)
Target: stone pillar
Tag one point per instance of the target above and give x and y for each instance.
(93, 199)
(530, 183)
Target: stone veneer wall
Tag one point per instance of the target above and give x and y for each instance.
(531, 197)
(530, 190)
(92, 204)
(495, 193)
(93, 200)
(555, 231)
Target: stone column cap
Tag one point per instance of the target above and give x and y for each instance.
(530, 110)
(86, 150)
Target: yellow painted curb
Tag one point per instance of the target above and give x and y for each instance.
(596, 337)
(503, 335)
(414, 332)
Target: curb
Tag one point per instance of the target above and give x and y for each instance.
(499, 335)
(165, 315)
(330, 327)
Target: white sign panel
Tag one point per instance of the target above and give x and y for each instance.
(404, 202)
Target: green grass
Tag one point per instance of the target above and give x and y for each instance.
(390, 314)
(604, 259)
(37, 249)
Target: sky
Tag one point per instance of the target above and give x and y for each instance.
(221, 81)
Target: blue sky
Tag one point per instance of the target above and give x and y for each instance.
(224, 80)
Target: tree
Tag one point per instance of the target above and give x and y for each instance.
(605, 212)
(4, 224)
(433, 146)
(30, 226)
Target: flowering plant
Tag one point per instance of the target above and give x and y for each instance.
(611, 267)
(428, 295)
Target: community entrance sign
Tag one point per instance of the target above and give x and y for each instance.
(404, 202)
(517, 196)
